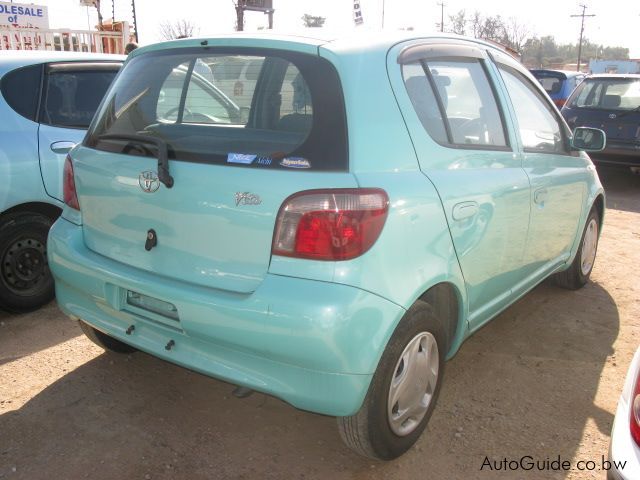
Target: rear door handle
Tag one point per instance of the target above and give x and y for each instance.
(540, 196)
(464, 210)
(62, 147)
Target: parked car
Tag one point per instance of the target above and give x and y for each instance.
(332, 249)
(558, 83)
(610, 103)
(47, 102)
(624, 450)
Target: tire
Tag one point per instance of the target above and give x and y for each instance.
(25, 280)
(375, 431)
(577, 275)
(104, 341)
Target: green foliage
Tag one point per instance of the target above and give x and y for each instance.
(545, 52)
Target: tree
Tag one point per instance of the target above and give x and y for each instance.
(178, 29)
(459, 22)
(312, 21)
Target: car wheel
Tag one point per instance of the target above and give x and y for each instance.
(577, 275)
(25, 280)
(104, 341)
(403, 390)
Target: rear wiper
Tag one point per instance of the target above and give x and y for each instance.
(161, 145)
(633, 110)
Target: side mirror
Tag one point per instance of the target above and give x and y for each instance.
(588, 139)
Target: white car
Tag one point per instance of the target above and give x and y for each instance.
(624, 451)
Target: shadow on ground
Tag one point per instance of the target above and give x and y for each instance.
(621, 187)
(21, 335)
(537, 365)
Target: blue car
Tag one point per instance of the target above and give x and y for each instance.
(558, 83)
(47, 101)
(610, 103)
(378, 200)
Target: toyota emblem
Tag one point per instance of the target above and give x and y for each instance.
(149, 181)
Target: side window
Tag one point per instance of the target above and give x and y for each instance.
(21, 89)
(424, 101)
(540, 130)
(465, 111)
(72, 97)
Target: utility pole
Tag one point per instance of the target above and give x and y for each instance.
(383, 14)
(239, 16)
(135, 22)
(442, 5)
(584, 7)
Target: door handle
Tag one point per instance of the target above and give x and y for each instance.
(464, 210)
(540, 196)
(62, 147)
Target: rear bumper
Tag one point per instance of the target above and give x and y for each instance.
(313, 344)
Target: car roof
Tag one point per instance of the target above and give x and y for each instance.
(613, 75)
(363, 41)
(11, 59)
(566, 73)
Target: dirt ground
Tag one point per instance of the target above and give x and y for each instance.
(542, 380)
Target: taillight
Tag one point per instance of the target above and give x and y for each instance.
(634, 421)
(337, 224)
(560, 102)
(69, 185)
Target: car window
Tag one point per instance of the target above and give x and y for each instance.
(204, 103)
(162, 95)
(465, 111)
(21, 90)
(608, 94)
(551, 85)
(539, 128)
(72, 97)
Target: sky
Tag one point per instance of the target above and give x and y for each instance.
(616, 22)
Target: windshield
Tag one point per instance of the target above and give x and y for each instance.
(608, 94)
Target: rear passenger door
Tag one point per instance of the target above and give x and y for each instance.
(464, 146)
(558, 176)
(71, 94)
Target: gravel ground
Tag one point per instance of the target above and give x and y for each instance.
(542, 380)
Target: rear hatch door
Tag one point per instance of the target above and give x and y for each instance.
(231, 168)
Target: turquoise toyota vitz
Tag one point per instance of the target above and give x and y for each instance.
(335, 240)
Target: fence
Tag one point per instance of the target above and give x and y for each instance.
(64, 40)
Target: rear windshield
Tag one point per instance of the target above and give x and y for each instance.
(608, 94)
(552, 84)
(251, 108)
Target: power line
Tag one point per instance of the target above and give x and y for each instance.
(584, 8)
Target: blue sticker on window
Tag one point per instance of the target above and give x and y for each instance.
(295, 162)
(264, 161)
(240, 158)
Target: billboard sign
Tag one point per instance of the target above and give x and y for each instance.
(20, 15)
(258, 5)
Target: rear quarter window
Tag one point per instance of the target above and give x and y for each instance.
(21, 90)
(290, 113)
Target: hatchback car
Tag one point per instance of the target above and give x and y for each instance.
(384, 198)
(47, 102)
(624, 450)
(610, 103)
(558, 83)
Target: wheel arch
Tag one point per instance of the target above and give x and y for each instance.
(447, 302)
(47, 209)
(598, 203)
